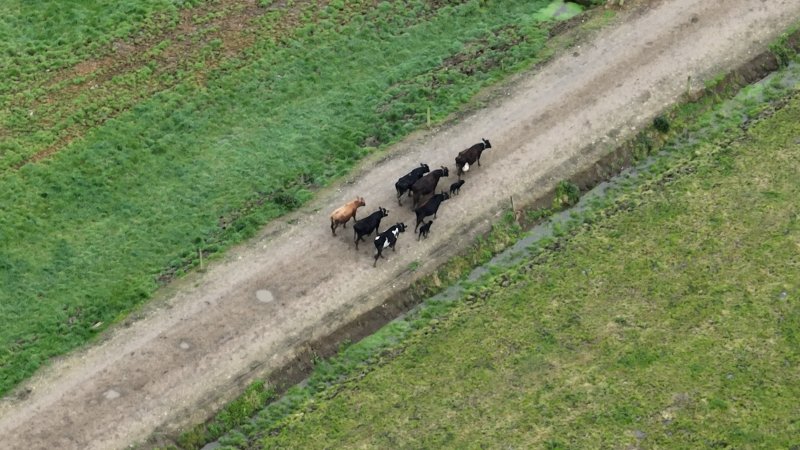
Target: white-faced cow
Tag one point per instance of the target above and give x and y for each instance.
(344, 213)
(387, 239)
(406, 181)
(368, 224)
(427, 184)
(430, 207)
(471, 156)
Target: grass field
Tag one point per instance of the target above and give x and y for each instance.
(164, 160)
(36, 38)
(668, 319)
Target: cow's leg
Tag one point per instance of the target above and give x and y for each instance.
(333, 227)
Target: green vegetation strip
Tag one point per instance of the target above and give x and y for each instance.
(91, 233)
(666, 314)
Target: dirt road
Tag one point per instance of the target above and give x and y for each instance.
(250, 313)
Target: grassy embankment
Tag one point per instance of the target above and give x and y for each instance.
(91, 232)
(666, 315)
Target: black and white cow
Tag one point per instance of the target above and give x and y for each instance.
(387, 239)
(471, 155)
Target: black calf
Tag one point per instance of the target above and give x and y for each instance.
(387, 239)
(455, 187)
(430, 207)
(425, 229)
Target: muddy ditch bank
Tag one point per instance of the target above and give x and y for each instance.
(593, 181)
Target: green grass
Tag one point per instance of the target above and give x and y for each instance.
(92, 232)
(670, 322)
(45, 35)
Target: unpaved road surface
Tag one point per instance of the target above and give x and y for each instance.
(251, 313)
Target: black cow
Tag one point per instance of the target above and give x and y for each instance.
(455, 187)
(425, 229)
(387, 239)
(406, 181)
(427, 184)
(368, 224)
(471, 156)
(430, 207)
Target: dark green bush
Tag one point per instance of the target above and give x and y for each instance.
(661, 124)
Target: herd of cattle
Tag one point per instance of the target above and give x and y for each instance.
(420, 184)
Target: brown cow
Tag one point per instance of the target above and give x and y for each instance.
(343, 214)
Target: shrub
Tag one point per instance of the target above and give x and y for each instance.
(661, 124)
(567, 194)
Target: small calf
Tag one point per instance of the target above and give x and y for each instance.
(368, 224)
(425, 229)
(344, 213)
(430, 207)
(455, 187)
(387, 239)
